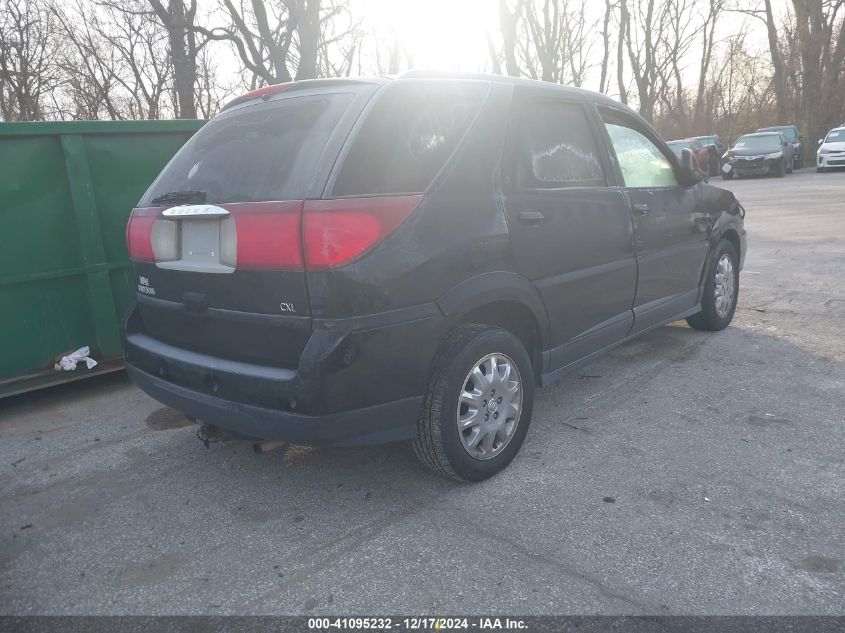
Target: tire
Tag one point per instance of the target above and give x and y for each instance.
(819, 170)
(728, 175)
(780, 171)
(711, 317)
(439, 444)
(798, 162)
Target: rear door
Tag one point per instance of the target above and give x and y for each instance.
(671, 233)
(569, 224)
(221, 270)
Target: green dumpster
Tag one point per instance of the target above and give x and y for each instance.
(66, 189)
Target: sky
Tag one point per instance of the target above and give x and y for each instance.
(439, 34)
(453, 34)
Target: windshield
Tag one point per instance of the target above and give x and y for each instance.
(261, 152)
(769, 141)
(835, 136)
(788, 132)
(677, 146)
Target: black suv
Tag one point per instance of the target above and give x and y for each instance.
(794, 138)
(345, 262)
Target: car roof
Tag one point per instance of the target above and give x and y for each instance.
(681, 140)
(425, 74)
(597, 97)
(774, 128)
(761, 133)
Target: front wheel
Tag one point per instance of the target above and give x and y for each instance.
(728, 175)
(478, 404)
(780, 170)
(721, 291)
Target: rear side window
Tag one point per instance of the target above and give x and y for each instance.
(263, 152)
(556, 148)
(408, 136)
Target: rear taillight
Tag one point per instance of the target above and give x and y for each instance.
(336, 232)
(314, 235)
(268, 237)
(139, 235)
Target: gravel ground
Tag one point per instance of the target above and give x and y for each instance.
(683, 473)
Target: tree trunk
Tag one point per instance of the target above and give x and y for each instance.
(308, 27)
(183, 54)
(507, 23)
(779, 77)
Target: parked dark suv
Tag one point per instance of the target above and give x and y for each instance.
(794, 138)
(356, 261)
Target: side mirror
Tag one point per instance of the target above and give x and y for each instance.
(689, 174)
(821, 140)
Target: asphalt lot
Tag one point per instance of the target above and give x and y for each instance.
(683, 473)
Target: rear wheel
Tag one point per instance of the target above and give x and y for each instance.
(721, 291)
(478, 405)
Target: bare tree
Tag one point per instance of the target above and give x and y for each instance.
(508, 22)
(29, 43)
(179, 19)
(117, 63)
(273, 38)
(654, 35)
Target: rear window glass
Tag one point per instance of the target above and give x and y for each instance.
(262, 152)
(408, 136)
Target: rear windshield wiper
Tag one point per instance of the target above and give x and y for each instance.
(187, 195)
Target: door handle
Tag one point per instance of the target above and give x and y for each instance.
(531, 217)
(641, 209)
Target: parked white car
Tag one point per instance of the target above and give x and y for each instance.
(831, 152)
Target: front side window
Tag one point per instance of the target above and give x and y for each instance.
(556, 148)
(408, 136)
(642, 163)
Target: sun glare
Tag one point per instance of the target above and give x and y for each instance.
(438, 34)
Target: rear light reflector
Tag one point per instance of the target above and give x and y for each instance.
(336, 232)
(164, 237)
(228, 242)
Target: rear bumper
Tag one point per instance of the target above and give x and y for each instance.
(388, 422)
(359, 381)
